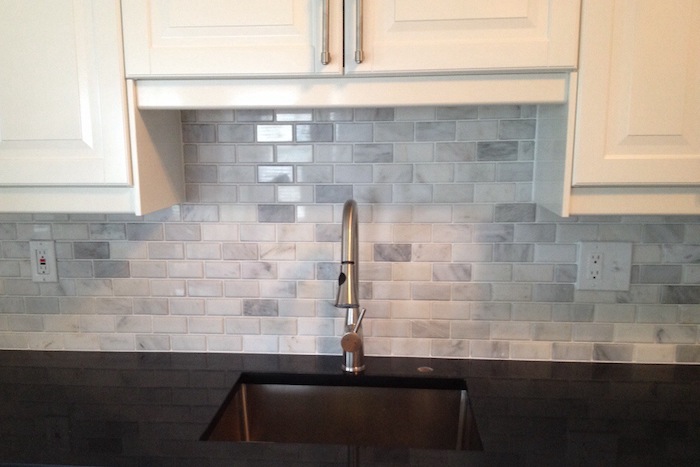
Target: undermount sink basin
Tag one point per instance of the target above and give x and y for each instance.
(354, 410)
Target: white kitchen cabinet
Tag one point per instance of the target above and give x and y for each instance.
(220, 38)
(438, 36)
(62, 112)
(224, 38)
(69, 141)
(632, 143)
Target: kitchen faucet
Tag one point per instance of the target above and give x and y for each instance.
(348, 296)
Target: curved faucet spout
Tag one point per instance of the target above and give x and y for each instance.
(348, 296)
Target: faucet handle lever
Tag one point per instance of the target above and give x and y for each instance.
(359, 320)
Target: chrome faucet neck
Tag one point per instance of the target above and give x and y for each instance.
(348, 291)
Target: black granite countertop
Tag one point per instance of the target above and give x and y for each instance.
(149, 409)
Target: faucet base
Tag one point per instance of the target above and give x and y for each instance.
(354, 362)
(354, 369)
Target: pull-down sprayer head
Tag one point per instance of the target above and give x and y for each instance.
(348, 279)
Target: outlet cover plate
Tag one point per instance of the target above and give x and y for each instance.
(613, 263)
(42, 256)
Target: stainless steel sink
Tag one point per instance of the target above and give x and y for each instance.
(354, 410)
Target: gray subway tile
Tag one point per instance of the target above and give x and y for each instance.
(688, 354)
(613, 352)
(424, 173)
(275, 174)
(255, 115)
(91, 250)
(374, 114)
(235, 133)
(353, 173)
(333, 115)
(354, 132)
(213, 153)
(463, 112)
(276, 213)
(680, 294)
(436, 131)
(214, 115)
(481, 130)
(107, 231)
(497, 151)
(198, 133)
(188, 232)
(660, 274)
(393, 252)
(200, 173)
(517, 129)
(393, 132)
(319, 132)
(512, 252)
(200, 213)
(255, 153)
(553, 292)
(453, 193)
(147, 231)
(515, 172)
(514, 212)
(663, 233)
(454, 272)
(260, 307)
(333, 193)
(112, 269)
(373, 153)
(499, 111)
(455, 152)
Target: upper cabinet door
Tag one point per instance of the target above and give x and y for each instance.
(170, 38)
(638, 110)
(62, 93)
(462, 35)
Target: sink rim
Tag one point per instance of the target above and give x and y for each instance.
(353, 380)
(317, 381)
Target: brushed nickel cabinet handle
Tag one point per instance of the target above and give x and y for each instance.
(325, 53)
(359, 54)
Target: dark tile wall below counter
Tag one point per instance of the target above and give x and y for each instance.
(91, 408)
(457, 261)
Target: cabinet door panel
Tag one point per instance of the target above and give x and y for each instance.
(62, 95)
(642, 126)
(224, 38)
(464, 35)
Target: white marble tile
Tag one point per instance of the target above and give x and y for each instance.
(456, 261)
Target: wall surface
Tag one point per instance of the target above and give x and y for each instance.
(456, 259)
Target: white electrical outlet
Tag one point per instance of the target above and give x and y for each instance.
(604, 266)
(594, 265)
(42, 255)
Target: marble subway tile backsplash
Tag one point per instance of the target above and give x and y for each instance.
(457, 261)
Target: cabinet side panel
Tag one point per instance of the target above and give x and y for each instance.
(554, 153)
(156, 146)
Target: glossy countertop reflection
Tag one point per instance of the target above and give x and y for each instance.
(84, 408)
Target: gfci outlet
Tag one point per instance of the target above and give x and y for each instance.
(604, 266)
(42, 255)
